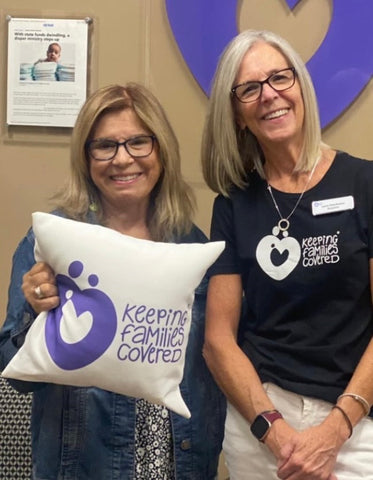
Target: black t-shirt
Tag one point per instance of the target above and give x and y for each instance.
(309, 310)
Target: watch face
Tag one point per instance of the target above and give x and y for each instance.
(260, 427)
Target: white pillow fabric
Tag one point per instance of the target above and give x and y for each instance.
(125, 311)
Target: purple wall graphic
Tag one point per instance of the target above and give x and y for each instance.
(341, 67)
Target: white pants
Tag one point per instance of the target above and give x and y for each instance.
(249, 459)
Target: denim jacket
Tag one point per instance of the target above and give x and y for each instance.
(88, 433)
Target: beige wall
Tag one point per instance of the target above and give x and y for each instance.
(132, 40)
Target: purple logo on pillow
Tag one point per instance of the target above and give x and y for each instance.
(340, 68)
(89, 301)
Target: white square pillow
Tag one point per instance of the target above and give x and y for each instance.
(125, 311)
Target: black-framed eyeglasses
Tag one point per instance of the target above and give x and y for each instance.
(251, 91)
(104, 149)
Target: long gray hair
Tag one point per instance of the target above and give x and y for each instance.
(228, 152)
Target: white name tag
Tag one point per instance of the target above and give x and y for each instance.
(331, 205)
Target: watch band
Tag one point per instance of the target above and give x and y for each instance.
(272, 415)
(263, 422)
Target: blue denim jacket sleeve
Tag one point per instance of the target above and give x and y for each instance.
(19, 315)
(198, 441)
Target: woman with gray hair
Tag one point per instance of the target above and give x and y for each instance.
(297, 219)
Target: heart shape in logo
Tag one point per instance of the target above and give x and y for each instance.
(340, 68)
(287, 248)
(71, 356)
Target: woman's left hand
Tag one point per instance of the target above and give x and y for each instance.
(312, 453)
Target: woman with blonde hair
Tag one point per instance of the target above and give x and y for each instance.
(124, 174)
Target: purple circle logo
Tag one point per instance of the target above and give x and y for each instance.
(76, 302)
(340, 69)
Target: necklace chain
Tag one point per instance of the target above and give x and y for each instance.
(283, 223)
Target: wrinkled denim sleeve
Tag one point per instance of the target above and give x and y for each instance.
(19, 315)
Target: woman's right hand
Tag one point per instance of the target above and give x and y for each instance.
(308, 454)
(39, 287)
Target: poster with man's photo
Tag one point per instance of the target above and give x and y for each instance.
(47, 71)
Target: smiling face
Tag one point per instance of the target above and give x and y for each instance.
(276, 117)
(124, 182)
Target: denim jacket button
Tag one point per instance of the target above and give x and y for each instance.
(185, 445)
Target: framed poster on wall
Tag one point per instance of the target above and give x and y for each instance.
(47, 71)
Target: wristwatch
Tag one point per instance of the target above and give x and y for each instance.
(263, 422)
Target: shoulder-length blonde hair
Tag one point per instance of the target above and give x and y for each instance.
(172, 201)
(229, 153)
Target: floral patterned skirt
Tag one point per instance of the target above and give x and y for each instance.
(153, 443)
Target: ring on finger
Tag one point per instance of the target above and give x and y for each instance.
(38, 292)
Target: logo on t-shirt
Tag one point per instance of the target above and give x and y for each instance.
(320, 250)
(278, 257)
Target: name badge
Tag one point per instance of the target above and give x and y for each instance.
(331, 205)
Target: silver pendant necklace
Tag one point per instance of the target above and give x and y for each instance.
(283, 223)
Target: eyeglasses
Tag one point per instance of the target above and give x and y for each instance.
(104, 149)
(250, 91)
